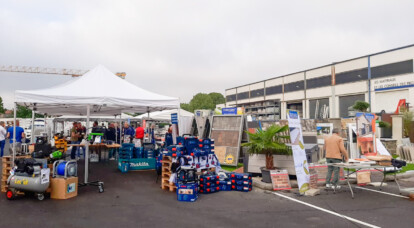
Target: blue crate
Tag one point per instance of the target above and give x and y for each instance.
(247, 183)
(138, 152)
(225, 185)
(187, 192)
(127, 145)
(247, 176)
(236, 176)
(209, 190)
(123, 165)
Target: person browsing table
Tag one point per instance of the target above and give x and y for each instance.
(334, 147)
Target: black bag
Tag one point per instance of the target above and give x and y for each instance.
(398, 163)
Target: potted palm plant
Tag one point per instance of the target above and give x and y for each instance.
(268, 142)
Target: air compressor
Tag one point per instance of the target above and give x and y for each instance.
(28, 176)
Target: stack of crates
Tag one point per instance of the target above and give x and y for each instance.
(206, 145)
(241, 182)
(225, 185)
(175, 151)
(209, 183)
(126, 151)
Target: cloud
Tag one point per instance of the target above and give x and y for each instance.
(180, 48)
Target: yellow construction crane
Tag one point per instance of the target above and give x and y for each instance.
(46, 70)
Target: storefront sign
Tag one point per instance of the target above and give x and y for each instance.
(393, 83)
(229, 111)
(298, 149)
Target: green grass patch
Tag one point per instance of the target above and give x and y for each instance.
(406, 168)
(231, 168)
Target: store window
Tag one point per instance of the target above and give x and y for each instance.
(351, 76)
(319, 108)
(257, 93)
(242, 96)
(294, 86)
(231, 97)
(346, 103)
(274, 90)
(296, 106)
(318, 82)
(391, 69)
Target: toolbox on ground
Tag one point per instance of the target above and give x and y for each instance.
(187, 192)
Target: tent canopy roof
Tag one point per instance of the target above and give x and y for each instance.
(164, 115)
(104, 91)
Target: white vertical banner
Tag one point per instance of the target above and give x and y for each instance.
(298, 149)
(174, 121)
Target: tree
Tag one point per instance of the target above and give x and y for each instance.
(407, 119)
(201, 101)
(268, 142)
(361, 106)
(2, 110)
(217, 98)
(185, 106)
(23, 112)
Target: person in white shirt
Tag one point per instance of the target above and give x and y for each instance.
(3, 134)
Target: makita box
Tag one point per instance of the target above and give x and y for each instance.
(187, 192)
(123, 165)
(225, 185)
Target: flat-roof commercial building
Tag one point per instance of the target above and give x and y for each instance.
(381, 79)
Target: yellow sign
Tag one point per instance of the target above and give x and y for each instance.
(21, 182)
(229, 159)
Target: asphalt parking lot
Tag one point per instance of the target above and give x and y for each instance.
(136, 200)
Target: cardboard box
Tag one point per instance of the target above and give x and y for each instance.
(64, 188)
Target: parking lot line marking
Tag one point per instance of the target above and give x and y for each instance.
(386, 193)
(327, 211)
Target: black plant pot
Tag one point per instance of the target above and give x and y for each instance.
(266, 175)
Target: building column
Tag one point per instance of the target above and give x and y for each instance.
(397, 128)
(283, 110)
(305, 109)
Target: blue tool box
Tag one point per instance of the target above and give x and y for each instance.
(187, 192)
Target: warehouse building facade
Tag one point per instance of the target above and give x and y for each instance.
(381, 79)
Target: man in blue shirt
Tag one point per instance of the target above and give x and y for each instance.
(128, 133)
(19, 135)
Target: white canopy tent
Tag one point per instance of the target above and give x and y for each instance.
(98, 92)
(184, 123)
(165, 115)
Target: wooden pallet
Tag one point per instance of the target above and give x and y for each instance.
(171, 188)
(6, 167)
(166, 174)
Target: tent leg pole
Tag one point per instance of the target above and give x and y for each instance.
(98, 183)
(32, 134)
(14, 133)
(88, 110)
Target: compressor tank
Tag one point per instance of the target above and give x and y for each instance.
(31, 184)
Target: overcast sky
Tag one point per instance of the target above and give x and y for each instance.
(179, 48)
